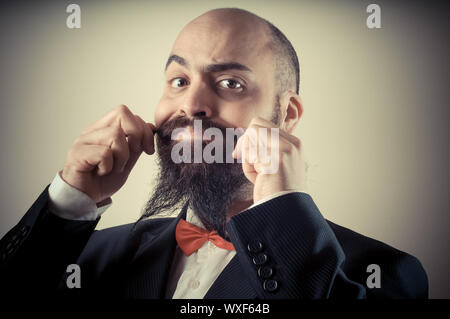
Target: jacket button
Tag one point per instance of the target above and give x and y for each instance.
(255, 247)
(16, 242)
(270, 285)
(260, 259)
(265, 272)
(10, 246)
(23, 231)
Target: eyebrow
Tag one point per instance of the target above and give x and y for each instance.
(217, 67)
(177, 59)
(226, 66)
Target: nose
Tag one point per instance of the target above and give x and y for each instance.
(197, 101)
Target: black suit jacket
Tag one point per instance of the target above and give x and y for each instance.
(284, 249)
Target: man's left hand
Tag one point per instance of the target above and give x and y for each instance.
(289, 174)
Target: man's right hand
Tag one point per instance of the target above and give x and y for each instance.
(102, 157)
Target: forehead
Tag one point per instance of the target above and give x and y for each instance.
(208, 42)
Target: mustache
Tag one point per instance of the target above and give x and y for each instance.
(164, 132)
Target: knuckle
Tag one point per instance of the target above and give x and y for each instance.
(288, 148)
(122, 109)
(254, 121)
(71, 154)
(116, 133)
(139, 119)
(152, 127)
(106, 152)
(296, 141)
(74, 150)
(77, 141)
(67, 171)
(259, 121)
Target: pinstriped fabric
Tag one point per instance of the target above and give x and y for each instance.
(232, 283)
(149, 269)
(302, 248)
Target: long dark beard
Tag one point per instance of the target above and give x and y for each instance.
(208, 188)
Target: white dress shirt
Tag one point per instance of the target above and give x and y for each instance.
(190, 276)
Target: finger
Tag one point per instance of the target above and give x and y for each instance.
(152, 129)
(255, 123)
(147, 140)
(262, 122)
(136, 138)
(114, 138)
(290, 138)
(108, 119)
(281, 133)
(133, 130)
(251, 146)
(121, 116)
(250, 133)
(237, 152)
(247, 166)
(94, 156)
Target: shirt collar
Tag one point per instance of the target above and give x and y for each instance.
(192, 218)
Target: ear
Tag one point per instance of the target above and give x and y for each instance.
(291, 111)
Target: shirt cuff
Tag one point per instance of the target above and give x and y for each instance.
(272, 196)
(68, 202)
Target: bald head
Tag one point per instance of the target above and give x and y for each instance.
(244, 27)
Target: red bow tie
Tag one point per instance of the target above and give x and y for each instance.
(190, 238)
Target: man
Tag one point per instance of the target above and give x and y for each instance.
(240, 232)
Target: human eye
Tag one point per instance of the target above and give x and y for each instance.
(231, 84)
(178, 82)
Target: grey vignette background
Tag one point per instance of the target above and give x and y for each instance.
(375, 124)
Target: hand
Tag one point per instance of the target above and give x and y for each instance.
(102, 157)
(290, 166)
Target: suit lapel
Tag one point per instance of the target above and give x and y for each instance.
(149, 269)
(231, 283)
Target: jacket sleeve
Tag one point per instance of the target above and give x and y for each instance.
(35, 253)
(414, 280)
(402, 277)
(289, 251)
